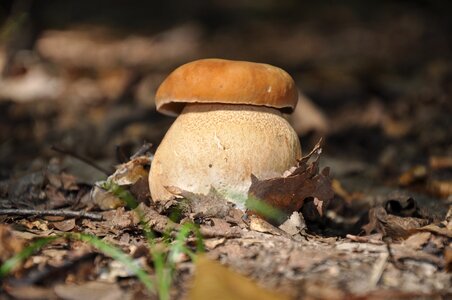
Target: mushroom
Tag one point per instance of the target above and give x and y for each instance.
(230, 125)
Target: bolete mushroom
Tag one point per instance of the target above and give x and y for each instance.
(230, 126)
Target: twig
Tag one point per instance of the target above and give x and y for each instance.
(51, 212)
(144, 149)
(378, 269)
(81, 158)
(391, 257)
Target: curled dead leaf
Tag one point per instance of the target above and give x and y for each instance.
(131, 171)
(294, 225)
(64, 225)
(392, 226)
(288, 193)
(260, 225)
(105, 200)
(433, 228)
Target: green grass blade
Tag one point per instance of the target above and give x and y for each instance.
(119, 192)
(116, 254)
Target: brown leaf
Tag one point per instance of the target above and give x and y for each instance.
(104, 199)
(26, 191)
(448, 259)
(130, 172)
(288, 193)
(10, 244)
(55, 197)
(119, 218)
(65, 225)
(416, 241)
(69, 182)
(140, 190)
(437, 229)
(30, 292)
(90, 290)
(372, 239)
(260, 225)
(214, 281)
(294, 225)
(219, 227)
(392, 226)
(211, 244)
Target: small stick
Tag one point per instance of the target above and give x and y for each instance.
(378, 269)
(81, 158)
(391, 257)
(52, 212)
(144, 149)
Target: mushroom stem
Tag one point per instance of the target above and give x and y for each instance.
(220, 146)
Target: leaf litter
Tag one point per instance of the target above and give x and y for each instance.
(282, 258)
(326, 252)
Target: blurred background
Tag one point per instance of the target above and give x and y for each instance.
(375, 78)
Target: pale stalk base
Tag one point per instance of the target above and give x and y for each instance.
(221, 146)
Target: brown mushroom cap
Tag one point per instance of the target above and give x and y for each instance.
(229, 82)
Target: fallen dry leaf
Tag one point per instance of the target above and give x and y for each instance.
(214, 281)
(104, 199)
(131, 175)
(392, 226)
(416, 241)
(448, 259)
(30, 292)
(131, 171)
(372, 239)
(140, 190)
(90, 291)
(119, 218)
(10, 244)
(213, 243)
(65, 225)
(41, 225)
(260, 225)
(288, 193)
(55, 197)
(437, 229)
(294, 224)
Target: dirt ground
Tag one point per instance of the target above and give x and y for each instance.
(77, 104)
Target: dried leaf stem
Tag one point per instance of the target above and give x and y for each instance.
(52, 212)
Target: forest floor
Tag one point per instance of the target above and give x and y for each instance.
(77, 113)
